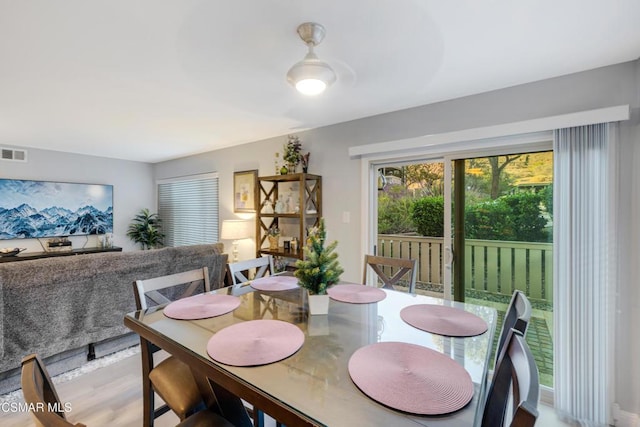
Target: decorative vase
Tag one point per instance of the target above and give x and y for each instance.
(291, 167)
(273, 242)
(318, 304)
(284, 170)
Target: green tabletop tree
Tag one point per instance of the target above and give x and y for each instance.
(320, 268)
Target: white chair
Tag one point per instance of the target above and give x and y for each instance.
(238, 270)
(398, 267)
(171, 379)
(514, 385)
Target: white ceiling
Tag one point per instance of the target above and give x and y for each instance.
(151, 80)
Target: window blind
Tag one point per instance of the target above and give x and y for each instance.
(188, 207)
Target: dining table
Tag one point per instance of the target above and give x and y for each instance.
(315, 385)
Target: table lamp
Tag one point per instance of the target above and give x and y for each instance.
(236, 230)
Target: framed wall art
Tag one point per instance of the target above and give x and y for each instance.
(244, 191)
(33, 209)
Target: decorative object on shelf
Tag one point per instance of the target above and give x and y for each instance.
(236, 230)
(305, 162)
(294, 244)
(284, 170)
(277, 162)
(292, 153)
(244, 191)
(311, 76)
(11, 251)
(145, 230)
(280, 205)
(320, 269)
(274, 238)
(267, 206)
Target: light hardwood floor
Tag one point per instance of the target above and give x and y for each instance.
(112, 396)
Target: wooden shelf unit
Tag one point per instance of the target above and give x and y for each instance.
(305, 192)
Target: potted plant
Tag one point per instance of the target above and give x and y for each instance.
(292, 153)
(145, 230)
(273, 234)
(319, 270)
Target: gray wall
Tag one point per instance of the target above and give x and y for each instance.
(132, 182)
(605, 87)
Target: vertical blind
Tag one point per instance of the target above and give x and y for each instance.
(584, 279)
(188, 207)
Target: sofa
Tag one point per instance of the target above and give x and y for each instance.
(70, 309)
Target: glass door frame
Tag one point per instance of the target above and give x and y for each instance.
(448, 153)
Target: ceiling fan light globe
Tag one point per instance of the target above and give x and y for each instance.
(311, 87)
(311, 76)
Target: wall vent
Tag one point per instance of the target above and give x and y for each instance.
(13, 155)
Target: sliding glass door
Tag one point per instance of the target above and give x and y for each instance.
(480, 227)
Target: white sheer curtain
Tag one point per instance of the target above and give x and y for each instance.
(584, 278)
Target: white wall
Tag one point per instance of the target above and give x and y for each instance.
(605, 87)
(132, 188)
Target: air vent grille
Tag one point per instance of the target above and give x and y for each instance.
(13, 155)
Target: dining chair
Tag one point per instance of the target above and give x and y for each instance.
(514, 385)
(238, 270)
(171, 379)
(398, 268)
(516, 317)
(47, 410)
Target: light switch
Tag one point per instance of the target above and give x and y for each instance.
(346, 217)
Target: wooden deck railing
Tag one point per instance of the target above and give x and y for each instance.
(491, 266)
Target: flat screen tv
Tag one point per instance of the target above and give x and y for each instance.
(33, 209)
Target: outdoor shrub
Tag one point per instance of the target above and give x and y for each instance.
(428, 216)
(513, 217)
(394, 215)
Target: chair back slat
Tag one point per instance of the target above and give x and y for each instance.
(148, 289)
(517, 317)
(515, 384)
(262, 267)
(399, 267)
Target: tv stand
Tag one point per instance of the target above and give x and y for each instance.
(25, 256)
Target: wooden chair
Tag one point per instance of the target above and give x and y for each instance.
(171, 379)
(514, 385)
(48, 411)
(400, 267)
(516, 317)
(262, 266)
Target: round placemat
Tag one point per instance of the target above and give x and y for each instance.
(411, 378)
(443, 320)
(255, 342)
(275, 283)
(356, 294)
(201, 306)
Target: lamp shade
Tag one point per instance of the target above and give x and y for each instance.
(235, 229)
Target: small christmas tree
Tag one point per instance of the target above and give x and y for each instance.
(320, 269)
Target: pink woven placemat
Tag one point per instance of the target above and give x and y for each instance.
(201, 306)
(443, 320)
(255, 342)
(275, 283)
(411, 378)
(356, 294)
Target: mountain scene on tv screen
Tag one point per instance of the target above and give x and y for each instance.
(23, 222)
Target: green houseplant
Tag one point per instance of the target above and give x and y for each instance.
(320, 268)
(145, 230)
(292, 153)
